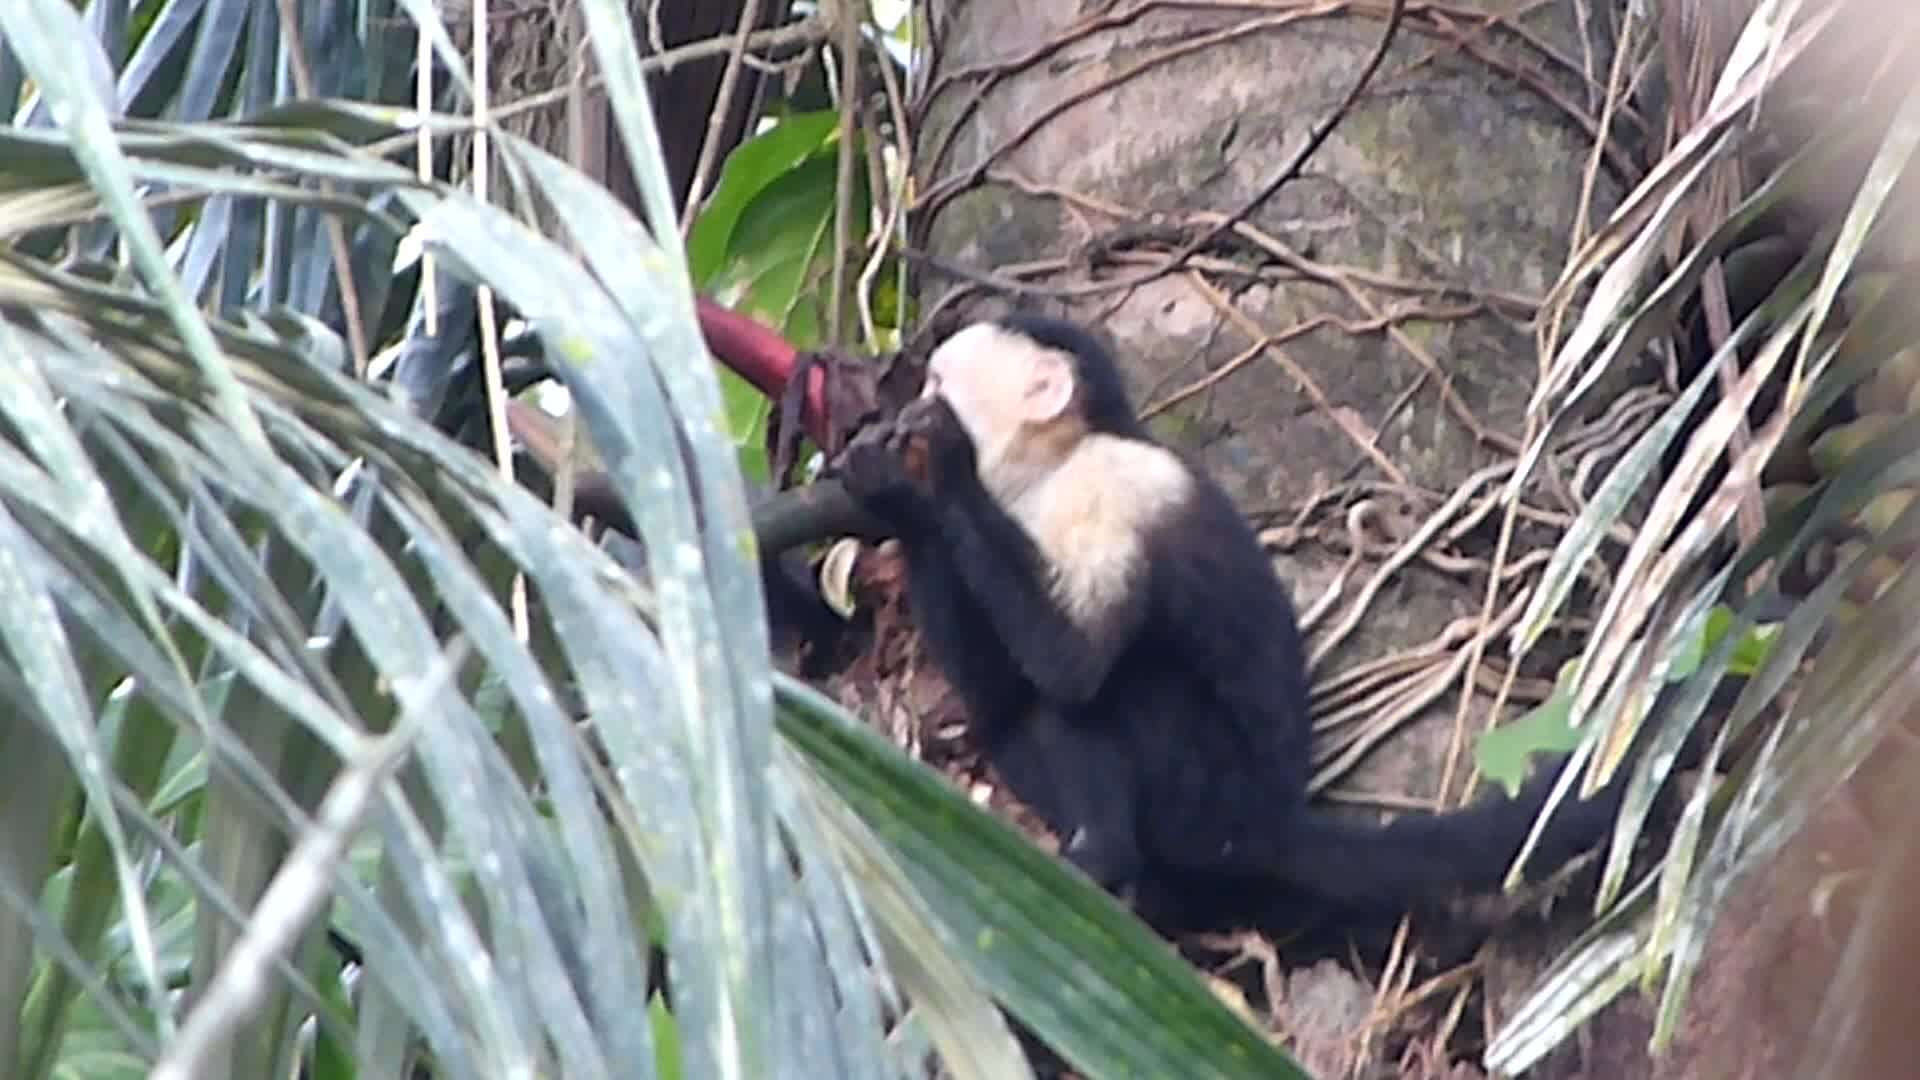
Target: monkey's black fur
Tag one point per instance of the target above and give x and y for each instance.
(1177, 774)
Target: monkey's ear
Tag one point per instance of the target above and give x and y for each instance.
(1049, 391)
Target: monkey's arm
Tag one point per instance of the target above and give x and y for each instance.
(1067, 658)
(985, 555)
(1227, 617)
(963, 642)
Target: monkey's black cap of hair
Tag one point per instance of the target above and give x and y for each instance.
(1103, 393)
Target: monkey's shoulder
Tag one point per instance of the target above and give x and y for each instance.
(1108, 492)
(1094, 518)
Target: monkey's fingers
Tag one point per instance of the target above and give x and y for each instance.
(916, 459)
(877, 434)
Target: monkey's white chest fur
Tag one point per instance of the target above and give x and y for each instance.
(1090, 515)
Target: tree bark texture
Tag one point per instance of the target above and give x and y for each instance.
(1055, 134)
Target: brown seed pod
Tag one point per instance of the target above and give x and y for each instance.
(1863, 290)
(1781, 498)
(1887, 390)
(1838, 444)
(1844, 612)
(1884, 509)
(1873, 578)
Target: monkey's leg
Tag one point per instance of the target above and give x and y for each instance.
(1079, 781)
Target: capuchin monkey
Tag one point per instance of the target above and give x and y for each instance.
(1130, 664)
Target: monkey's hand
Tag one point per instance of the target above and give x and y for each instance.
(875, 474)
(935, 445)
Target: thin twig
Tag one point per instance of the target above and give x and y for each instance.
(846, 26)
(489, 326)
(1226, 223)
(894, 225)
(799, 35)
(336, 232)
(717, 122)
(423, 169)
(936, 194)
(1364, 440)
(1306, 152)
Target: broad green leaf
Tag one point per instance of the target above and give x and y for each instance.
(1060, 954)
(1505, 753)
(751, 168)
(781, 256)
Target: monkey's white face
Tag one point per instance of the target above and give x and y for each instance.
(1086, 499)
(1001, 386)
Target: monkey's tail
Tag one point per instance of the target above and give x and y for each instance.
(1419, 859)
(1422, 858)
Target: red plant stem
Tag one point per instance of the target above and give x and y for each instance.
(758, 354)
